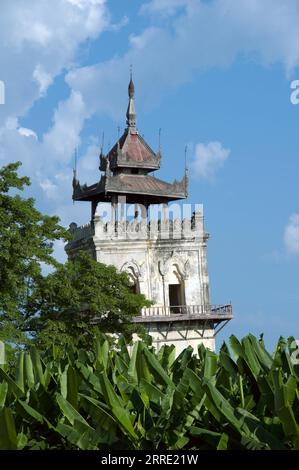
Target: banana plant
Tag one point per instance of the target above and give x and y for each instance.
(119, 396)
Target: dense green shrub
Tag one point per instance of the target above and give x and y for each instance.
(110, 399)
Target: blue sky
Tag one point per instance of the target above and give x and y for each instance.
(213, 74)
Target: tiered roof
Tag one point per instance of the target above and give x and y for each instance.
(126, 167)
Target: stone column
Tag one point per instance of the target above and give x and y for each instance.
(143, 232)
(136, 211)
(165, 211)
(165, 222)
(113, 213)
(164, 296)
(144, 212)
(121, 216)
(121, 208)
(198, 224)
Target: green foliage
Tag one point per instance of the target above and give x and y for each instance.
(26, 240)
(69, 306)
(80, 299)
(109, 398)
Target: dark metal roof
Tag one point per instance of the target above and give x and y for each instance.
(136, 148)
(126, 168)
(131, 151)
(145, 184)
(131, 185)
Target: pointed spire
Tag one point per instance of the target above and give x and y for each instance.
(186, 177)
(131, 113)
(159, 144)
(75, 165)
(102, 143)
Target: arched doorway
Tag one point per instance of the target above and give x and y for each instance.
(176, 290)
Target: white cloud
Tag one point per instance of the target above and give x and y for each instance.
(86, 3)
(88, 165)
(49, 188)
(201, 36)
(11, 123)
(43, 78)
(165, 7)
(27, 132)
(36, 45)
(41, 42)
(64, 136)
(291, 235)
(208, 158)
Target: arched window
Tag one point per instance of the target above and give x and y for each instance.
(133, 281)
(133, 273)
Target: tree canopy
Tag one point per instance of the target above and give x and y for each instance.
(68, 305)
(26, 241)
(80, 298)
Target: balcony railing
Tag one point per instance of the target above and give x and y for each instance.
(186, 312)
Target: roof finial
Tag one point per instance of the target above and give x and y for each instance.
(186, 152)
(75, 181)
(159, 147)
(186, 178)
(131, 88)
(118, 142)
(75, 164)
(102, 143)
(131, 113)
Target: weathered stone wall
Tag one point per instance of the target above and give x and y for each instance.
(155, 256)
(153, 265)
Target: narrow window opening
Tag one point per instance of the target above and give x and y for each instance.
(175, 298)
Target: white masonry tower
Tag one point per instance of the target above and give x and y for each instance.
(164, 256)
